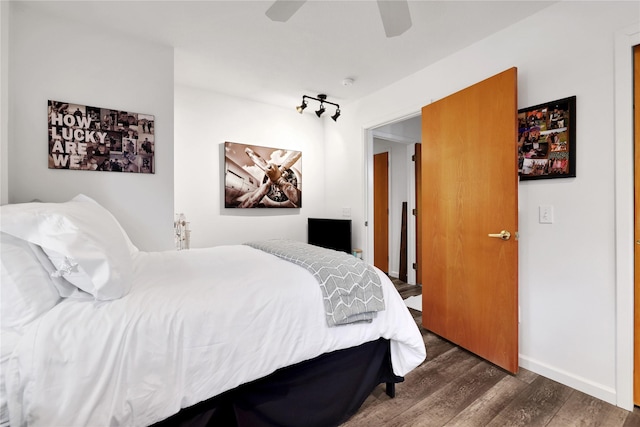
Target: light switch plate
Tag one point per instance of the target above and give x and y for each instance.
(545, 214)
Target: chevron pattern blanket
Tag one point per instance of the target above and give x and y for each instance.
(351, 289)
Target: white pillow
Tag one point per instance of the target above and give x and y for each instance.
(65, 288)
(82, 239)
(26, 289)
(132, 248)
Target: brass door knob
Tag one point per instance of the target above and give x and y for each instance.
(504, 235)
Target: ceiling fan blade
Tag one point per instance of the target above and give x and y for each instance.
(282, 10)
(395, 15)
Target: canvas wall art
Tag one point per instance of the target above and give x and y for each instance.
(261, 177)
(83, 137)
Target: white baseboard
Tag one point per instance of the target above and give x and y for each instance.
(600, 391)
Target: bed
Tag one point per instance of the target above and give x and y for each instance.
(96, 332)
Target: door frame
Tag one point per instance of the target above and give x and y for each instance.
(625, 39)
(369, 132)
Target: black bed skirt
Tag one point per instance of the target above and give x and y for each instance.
(322, 392)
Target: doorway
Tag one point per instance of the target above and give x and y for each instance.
(506, 357)
(397, 138)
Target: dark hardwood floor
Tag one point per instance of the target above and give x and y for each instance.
(456, 388)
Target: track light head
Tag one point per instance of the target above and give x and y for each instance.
(300, 108)
(320, 111)
(336, 115)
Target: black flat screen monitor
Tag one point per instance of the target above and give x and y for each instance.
(330, 233)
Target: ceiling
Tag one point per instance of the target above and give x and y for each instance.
(232, 47)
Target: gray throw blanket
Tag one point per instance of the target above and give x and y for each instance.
(351, 289)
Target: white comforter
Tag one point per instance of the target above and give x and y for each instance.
(195, 324)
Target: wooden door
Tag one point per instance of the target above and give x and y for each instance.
(418, 168)
(470, 190)
(636, 254)
(381, 211)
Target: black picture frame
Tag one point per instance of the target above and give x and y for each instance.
(547, 140)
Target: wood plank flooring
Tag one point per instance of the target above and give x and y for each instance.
(456, 388)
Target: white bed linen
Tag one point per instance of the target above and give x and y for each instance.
(195, 324)
(8, 341)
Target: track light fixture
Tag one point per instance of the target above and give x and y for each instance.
(322, 99)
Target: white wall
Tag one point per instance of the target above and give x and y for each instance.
(4, 102)
(567, 269)
(67, 61)
(206, 120)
